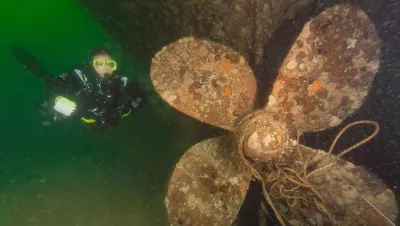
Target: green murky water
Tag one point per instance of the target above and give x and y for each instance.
(64, 174)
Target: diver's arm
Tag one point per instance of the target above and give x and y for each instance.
(58, 108)
(61, 96)
(100, 118)
(135, 95)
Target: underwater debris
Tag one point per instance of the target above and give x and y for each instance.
(328, 71)
(343, 188)
(305, 185)
(205, 80)
(208, 185)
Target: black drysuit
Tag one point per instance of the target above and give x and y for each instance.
(100, 102)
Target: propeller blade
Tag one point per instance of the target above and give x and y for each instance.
(351, 195)
(208, 185)
(205, 80)
(328, 71)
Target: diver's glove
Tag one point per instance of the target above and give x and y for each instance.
(136, 102)
(64, 106)
(102, 120)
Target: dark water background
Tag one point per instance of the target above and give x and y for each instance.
(63, 174)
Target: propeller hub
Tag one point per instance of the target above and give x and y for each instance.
(265, 136)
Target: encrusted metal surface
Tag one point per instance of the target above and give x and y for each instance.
(328, 71)
(208, 185)
(265, 138)
(205, 80)
(352, 195)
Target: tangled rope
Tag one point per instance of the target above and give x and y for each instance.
(288, 180)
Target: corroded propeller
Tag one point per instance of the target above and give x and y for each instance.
(323, 80)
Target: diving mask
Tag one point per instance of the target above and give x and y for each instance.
(109, 64)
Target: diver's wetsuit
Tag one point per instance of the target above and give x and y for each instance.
(101, 102)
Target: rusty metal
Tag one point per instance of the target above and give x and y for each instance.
(205, 80)
(208, 185)
(328, 71)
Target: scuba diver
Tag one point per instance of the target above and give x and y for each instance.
(95, 93)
